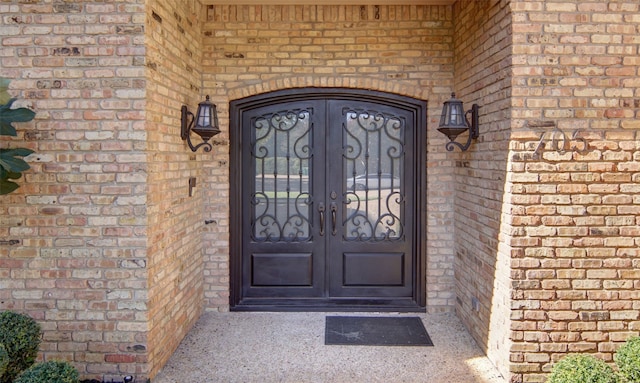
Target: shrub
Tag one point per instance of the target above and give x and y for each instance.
(581, 369)
(20, 335)
(4, 359)
(49, 372)
(627, 359)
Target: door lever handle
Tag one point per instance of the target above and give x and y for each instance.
(334, 210)
(321, 210)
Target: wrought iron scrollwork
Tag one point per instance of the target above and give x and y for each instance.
(373, 151)
(385, 227)
(282, 154)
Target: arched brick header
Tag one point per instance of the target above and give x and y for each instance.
(396, 87)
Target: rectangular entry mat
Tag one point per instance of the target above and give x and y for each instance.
(376, 331)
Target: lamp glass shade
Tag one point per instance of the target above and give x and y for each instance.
(204, 114)
(452, 120)
(206, 120)
(453, 114)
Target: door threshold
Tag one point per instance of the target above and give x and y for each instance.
(346, 305)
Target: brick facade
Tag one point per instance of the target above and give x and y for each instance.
(113, 257)
(574, 205)
(80, 216)
(175, 220)
(483, 60)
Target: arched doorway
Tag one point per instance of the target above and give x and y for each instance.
(327, 192)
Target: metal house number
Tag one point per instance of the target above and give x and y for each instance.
(561, 142)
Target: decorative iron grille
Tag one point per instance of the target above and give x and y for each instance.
(281, 151)
(373, 151)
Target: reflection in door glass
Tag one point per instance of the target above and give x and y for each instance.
(281, 153)
(373, 153)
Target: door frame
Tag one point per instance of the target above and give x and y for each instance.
(237, 166)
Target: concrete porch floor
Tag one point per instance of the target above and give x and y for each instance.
(289, 347)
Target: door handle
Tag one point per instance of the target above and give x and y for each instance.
(321, 210)
(334, 210)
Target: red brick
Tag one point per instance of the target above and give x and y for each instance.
(120, 358)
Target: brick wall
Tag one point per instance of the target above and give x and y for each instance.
(175, 220)
(108, 253)
(399, 49)
(109, 172)
(538, 220)
(575, 202)
(80, 217)
(482, 49)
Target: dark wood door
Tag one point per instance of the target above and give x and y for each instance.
(328, 203)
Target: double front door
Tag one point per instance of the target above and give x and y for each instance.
(328, 196)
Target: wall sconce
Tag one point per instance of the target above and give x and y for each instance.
(454, 121)
(206, 124)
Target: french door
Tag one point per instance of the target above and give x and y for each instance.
(326, 201)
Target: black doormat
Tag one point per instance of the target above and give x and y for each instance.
(375, 331)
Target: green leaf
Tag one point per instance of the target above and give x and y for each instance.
(18, 115)
(13, 164)
(5, 174)
(9, 161)
(22, 152)
(7, 187)
(9, 116)
(13, 175)
(6, 129)
(4, 86)
(10, 165)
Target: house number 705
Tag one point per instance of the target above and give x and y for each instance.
(560, 142)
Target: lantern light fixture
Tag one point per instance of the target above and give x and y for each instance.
(454, 122)
(205, 121)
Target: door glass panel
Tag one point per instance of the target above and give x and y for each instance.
(282, 156)
(373, 151)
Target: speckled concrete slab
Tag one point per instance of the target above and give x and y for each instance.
(289, 347)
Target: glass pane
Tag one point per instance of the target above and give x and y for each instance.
(373, 151)
(281, 152)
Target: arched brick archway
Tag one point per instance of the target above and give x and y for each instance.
(360, 82)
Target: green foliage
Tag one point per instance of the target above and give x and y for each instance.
(627, 359)
(9, 116)
(49, 372)
(20, 335)
(579, 368)
(4, 359)
(4, 86)
(11, 166)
